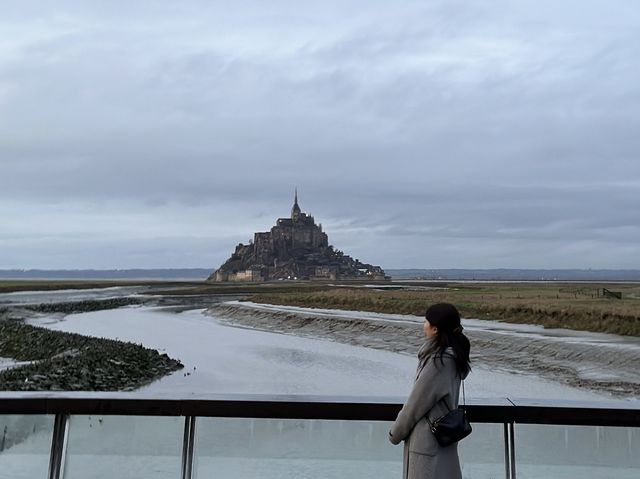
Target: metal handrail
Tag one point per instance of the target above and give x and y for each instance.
(498, 410)
(506, 411)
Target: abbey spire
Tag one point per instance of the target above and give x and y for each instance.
(295, 211)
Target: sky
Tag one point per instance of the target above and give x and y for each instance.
(421, 134)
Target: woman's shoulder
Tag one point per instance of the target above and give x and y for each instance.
(447, 358)
(449, 353)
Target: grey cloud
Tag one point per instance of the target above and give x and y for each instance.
(399, 124)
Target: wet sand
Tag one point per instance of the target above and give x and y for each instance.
(594, 361)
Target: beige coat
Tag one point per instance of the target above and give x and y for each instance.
(424, 458)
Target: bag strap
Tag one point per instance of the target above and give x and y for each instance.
(464, 399)
(464, 402)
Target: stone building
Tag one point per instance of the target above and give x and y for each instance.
(295, 248)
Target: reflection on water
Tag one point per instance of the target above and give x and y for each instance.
(25, 442)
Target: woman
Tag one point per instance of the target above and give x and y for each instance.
(443, 362)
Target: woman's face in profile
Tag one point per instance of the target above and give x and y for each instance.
(429, 331)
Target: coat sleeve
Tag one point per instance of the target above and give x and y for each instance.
(429, 388)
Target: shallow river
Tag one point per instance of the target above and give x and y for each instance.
(219, 358)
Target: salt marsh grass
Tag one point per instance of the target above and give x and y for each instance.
(572, 306)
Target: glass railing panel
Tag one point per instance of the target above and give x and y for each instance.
(289, 448)
(124, 447)
(25, 446)
(587, 452)
(276, 448)
(482, 453)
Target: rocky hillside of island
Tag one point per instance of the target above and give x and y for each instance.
(295, 248)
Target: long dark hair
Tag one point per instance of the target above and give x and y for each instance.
(446, 318)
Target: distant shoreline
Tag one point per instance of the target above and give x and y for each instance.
(417, 274)
(160, 274)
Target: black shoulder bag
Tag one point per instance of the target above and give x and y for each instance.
(453, 426)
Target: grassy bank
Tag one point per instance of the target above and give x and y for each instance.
(573, 306)
(71, 362)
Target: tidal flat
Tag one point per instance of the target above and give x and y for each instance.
(585, 361)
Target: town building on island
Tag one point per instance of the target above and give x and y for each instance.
(295, 248)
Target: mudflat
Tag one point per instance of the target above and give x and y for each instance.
(595, 361)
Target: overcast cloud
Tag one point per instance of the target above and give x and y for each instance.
(478, 134)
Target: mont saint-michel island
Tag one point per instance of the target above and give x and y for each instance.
(295, 248)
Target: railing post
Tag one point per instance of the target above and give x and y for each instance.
(188, 446)
(509, 450)
(58, 446)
